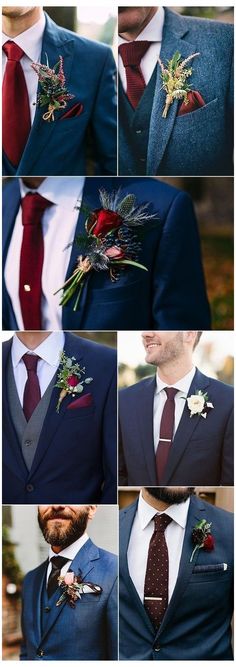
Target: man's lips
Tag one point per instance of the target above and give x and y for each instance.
(149, 346)
(59, 517)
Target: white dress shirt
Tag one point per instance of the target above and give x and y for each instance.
(160, 398)
(69, 552)
(151, 33)
(49, 351)
(141, 533)
(58, 225)
(31, 42)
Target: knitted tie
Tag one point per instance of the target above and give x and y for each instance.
(57, 564)
(16, 122)
(157, 572)
(166, 432)
(31, 259)
(32, 392)
(132, 54)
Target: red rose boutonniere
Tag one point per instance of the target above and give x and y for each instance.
(70, 378)
(53, 91)
(202, 537)
(111, 241)
(73, 588)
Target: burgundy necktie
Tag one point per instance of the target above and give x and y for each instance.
(57, 564)
(31, 260)
(32, 392)
(16, 121)
(166, 432)
(132, 54)
(157, 572)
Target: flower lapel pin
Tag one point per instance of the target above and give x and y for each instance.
(53, 92)
(198, 404)
(73, 588)
(202, 537)
(175, 77)
(69, 378)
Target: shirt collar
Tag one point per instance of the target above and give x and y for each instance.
(146, 512)
(71, 551)
(153, 30)
(182, 385)
(30, 40)
(64, 192)
(49, 350)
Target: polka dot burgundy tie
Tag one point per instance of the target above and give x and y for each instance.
(157, 572)
(132, 54)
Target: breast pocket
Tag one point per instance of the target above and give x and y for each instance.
(201, 115)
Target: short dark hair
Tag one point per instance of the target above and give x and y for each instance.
(198, 336)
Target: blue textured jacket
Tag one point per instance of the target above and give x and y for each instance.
(202, 453)
(170, 295)
(88, 632)
(59, 147)
(199, 142)
(76, 456)
(197, 622)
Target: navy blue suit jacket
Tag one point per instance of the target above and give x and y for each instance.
(202, 453)
(59, 147)
(199, 142)
(76, 457)
(88, 632)
(196, 625)
(170, 295)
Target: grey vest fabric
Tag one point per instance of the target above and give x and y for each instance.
(28, 433)
(134, 130)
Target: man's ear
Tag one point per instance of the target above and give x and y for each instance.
(189, 336)
(92, 511)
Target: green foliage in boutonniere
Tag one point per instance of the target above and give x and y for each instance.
(202, 537)
(199, 404)
(174, 77)
(53, 92)
(69, 378)
(111, 242)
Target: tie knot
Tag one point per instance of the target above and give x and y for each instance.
(161, 522)
(171, 392)
(58, 562)
(13, 51)
(33, 206)
(133, 52)
(30, 361)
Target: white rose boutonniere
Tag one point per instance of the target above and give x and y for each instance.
(198, 404)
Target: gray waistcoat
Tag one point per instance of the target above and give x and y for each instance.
(134, 130)
(28, 433)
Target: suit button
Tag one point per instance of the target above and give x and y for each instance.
(29, 488)
(47, 609)
(40, 652)
(28, 442)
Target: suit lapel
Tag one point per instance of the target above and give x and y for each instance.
(196, 512)
(55, 44)
(82, 565)
(13, 455)
(161, 128)
(39, 580)
(70, 319)
(125, 530)
(186, 427)
(145, 422)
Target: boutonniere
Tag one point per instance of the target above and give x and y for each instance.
(53, 91)
(202, 537)
(111, 241)
(69, 378)
(73, 588)
(198, 404)
(174, 77)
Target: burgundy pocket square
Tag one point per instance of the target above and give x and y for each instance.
(195, 101)
(82, 402)
(76, 110)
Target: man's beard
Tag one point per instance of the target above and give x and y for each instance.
(61, 535)
(168, 495)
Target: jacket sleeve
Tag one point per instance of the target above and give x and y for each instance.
(179, 298)
(109, 494)
(112, 624)
(227, 464)
(104, 120)
(23, 649)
